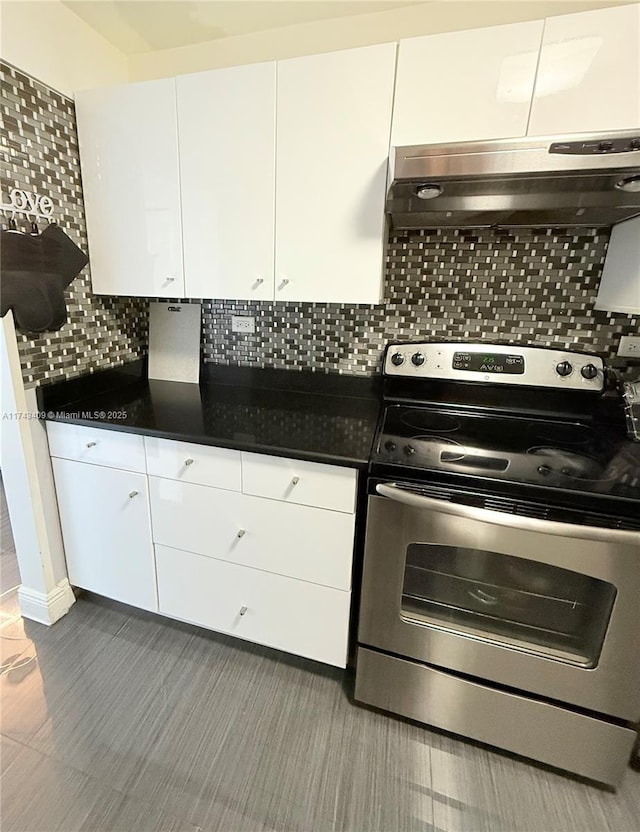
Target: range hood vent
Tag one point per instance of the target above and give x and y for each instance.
(591, 180)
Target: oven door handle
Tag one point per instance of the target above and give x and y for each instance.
(401, 494)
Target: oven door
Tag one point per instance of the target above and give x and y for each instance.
(539, 606)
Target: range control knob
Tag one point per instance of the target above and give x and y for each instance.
(635, 144)
(589, 371)
(397, 359)
(604, 146)
(544, 470)
(409, 450)
(417, 359)
(564, 368)
(389, 445)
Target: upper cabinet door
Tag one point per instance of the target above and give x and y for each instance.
(226, 122)
(128, 140)
(589, 74)
(333, 122)
(462, 86)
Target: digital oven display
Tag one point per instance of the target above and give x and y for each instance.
(488, 362)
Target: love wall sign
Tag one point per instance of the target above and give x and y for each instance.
(27, 202)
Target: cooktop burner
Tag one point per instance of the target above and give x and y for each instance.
(430, 420)
(561, 434)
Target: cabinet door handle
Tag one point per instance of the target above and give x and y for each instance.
(295, 480)
(91, 444)
(133, 494)
(170, 279)
(188, 461)
(243, 610)
(241, 533)
(284, 282)
(259, 282)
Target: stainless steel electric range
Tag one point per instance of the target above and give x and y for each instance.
(501, 583)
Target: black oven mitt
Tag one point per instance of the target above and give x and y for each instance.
(35, 269)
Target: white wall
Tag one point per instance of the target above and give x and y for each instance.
(45, 594)
(49, 42)
(346, 32)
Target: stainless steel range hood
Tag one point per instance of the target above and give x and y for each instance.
(561, 181)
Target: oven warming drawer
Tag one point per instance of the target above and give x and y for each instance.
(550, 734)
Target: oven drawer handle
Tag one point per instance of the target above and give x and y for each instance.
(530, 524)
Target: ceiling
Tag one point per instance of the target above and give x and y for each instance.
(136, 26)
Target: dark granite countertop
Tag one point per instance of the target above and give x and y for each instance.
(314, 416)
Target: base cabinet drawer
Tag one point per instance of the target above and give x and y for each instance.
(294, 616)
(111, 448)
(297, 481)
(184, 461)
(311, 544)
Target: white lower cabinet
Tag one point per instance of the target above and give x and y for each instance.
(104, 513)
(239, 546)
(311, 544)
(291, 615)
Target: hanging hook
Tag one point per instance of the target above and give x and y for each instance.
(12, 226)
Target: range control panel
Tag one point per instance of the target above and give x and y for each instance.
(495, 364)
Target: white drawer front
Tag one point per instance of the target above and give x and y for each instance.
(297, 541)
(110, 448)
(294, 481)
(203, 464)
(294, 616)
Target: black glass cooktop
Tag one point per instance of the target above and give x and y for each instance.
(562, 455)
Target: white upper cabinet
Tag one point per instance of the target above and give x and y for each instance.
(462, 86)
(129, 153)
(589, 74)
(333, 123)
(226, 123)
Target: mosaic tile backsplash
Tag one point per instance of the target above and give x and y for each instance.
(534, 286)
(40, 154)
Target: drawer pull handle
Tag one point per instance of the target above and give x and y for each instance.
(133, 494)
(91, 444)
(188, 461)
(241, 533)
(295, 480)
(243, 610)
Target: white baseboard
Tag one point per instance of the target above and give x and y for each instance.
(46, 608)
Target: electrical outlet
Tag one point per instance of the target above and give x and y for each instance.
(629, 346)
(243, 323)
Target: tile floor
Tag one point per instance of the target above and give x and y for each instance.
(118, 720)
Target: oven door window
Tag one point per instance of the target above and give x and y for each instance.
(507, 600)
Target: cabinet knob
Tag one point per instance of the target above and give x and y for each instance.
(132, 494)
(188, 461)
(241, 533)
(295, 480)
(243, 610)
(91, 444)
